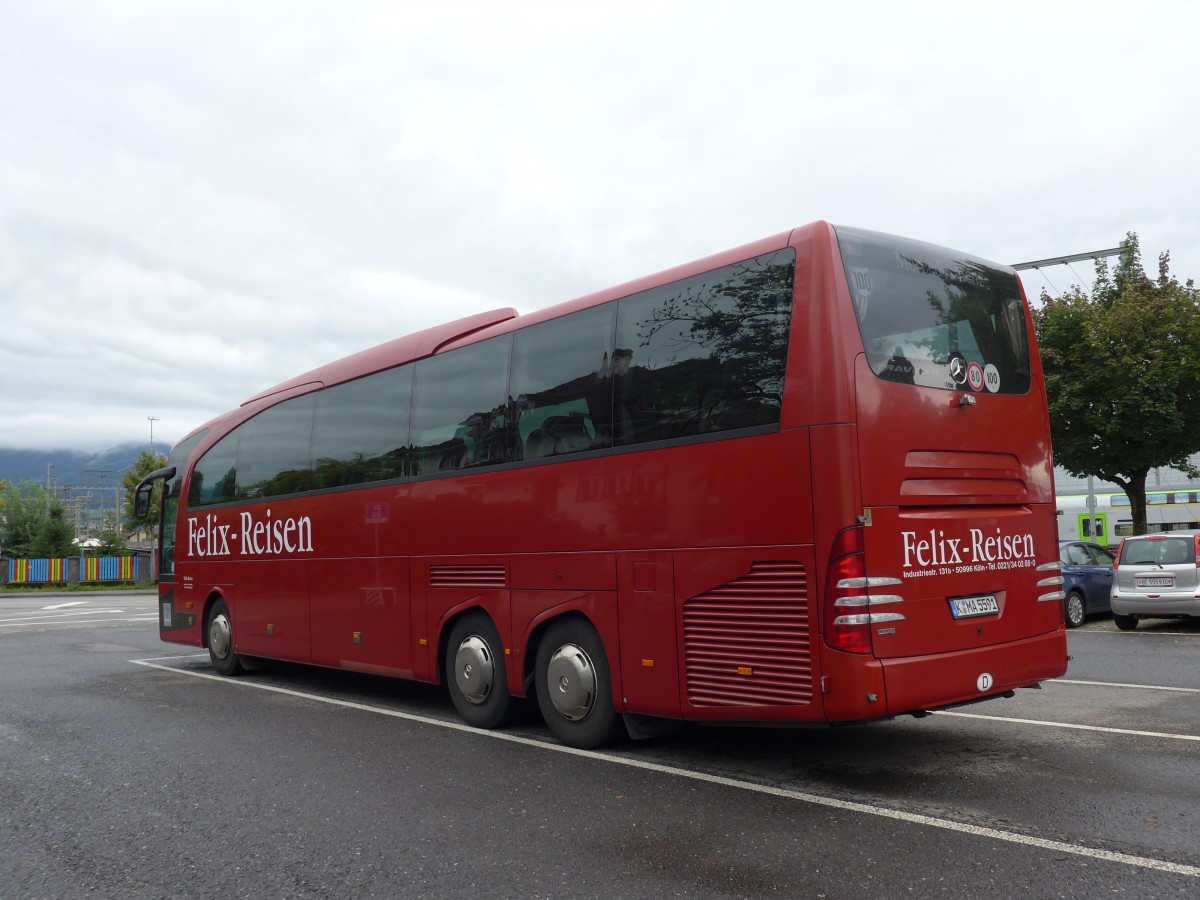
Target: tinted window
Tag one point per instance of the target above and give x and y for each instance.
(361, 430)
(562, 384)
(181, 454)
(214, 480)
(706, 354)
(460, 413)
(1160, 551)
(935, 317)
(273, 451)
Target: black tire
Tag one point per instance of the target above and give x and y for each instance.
(476, 675)
(574, 688)
(1125, 623)
(218, 636)
(1074, 609)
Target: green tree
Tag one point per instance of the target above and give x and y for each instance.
(55, 535)
(1122, 371)
(23, 511)
(146, 463)
(111, 537)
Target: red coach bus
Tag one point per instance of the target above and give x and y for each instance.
(804, 481)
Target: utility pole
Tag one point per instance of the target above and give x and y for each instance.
(152, 420)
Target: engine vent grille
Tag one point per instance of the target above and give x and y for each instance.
(747, 642)
(486, 575)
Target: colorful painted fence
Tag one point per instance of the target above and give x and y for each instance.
(72, 569)
(109, 568)
(37, 571)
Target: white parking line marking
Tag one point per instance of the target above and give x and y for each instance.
(1011, 837)
(1116, 684)
(1126, 731)
(41, 623)
(1124, 634)
(63, 616)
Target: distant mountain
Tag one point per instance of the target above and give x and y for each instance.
(71, 468)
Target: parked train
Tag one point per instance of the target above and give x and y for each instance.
(1166, 510)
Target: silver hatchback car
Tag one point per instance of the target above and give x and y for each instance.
(1156, 576)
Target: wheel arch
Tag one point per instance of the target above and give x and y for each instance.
(446, 625)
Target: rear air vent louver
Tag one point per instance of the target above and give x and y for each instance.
(747, 642)
(963, 477)
(488, 575)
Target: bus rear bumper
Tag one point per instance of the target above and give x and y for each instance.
(940, 680)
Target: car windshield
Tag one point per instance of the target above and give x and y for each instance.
(1160, 551)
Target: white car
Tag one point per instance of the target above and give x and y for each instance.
(1156, 576)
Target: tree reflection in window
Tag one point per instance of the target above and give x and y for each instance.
(705, 354)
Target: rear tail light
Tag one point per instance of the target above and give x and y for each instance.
(848, 598)
(1054, 581)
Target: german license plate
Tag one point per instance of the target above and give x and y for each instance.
(968, 607)
(1156, 581)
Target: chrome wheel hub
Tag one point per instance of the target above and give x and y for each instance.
(474, 669)
(571, 679)
(220, 636)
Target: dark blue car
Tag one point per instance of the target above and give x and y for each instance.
(1087, 570)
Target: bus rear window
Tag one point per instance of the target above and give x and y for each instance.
(935, 317)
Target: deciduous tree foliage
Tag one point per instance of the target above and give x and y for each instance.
(1122, 373)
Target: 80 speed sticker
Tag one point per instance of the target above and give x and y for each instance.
(975, 376)
(980, 377)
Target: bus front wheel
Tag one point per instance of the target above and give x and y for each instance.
(220, 640)
(574, 689)
(476, 675)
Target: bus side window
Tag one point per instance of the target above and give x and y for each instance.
(562, 382)
(273, 452)
(460, 415)
(214, 479)
(705, 354)
(360, 434)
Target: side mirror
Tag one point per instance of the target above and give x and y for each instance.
(141, 501)
(142, 493)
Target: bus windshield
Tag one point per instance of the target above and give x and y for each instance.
(179, 458)
(934, 317)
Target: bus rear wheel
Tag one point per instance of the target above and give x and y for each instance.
(574, 688)
(476, 675)
(220, 640)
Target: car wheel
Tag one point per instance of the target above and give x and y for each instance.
(1125, 623)
(1074, 609)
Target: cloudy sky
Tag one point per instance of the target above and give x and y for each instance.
(199, 200)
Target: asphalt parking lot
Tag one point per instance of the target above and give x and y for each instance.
(128, 768)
